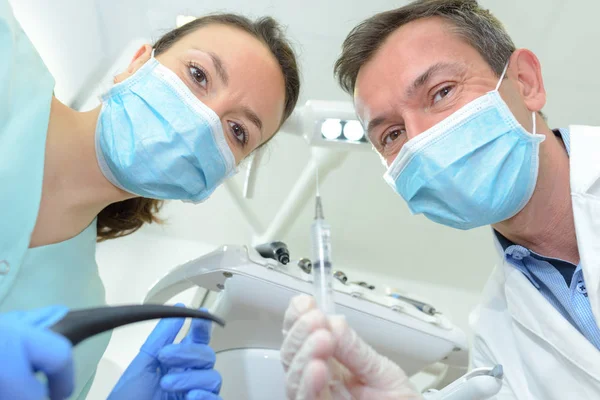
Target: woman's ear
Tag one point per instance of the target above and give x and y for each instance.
(139, 59)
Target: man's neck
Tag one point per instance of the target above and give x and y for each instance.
(546, 224)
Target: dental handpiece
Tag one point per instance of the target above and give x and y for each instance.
(276, 250)
(321, 260)
(79, 325)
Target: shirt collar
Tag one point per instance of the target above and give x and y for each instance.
(504, 242)
(565, 135)
(509, 248)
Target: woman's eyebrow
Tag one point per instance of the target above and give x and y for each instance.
(220, 67)
(254, 118)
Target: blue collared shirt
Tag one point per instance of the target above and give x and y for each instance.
(559, 281)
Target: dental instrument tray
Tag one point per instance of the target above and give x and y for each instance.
(254, 292)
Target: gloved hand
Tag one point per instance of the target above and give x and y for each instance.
(166, 371)
(318, 351)
(26, 347)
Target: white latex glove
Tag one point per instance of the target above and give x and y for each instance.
(318, 350)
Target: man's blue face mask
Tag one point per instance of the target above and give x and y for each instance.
(477, 167)
(155, 139)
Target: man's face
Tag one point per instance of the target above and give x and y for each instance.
(422, 73)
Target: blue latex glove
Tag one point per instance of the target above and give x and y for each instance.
(166, 371)
(27, 347)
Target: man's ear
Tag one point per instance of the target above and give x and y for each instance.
(528, 74)
(139, 59)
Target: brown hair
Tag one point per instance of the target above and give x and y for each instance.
(125, 217)
(477, 26)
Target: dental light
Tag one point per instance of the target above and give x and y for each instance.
(354, 131)
(339, 130)
(331, 129)
(331, 124)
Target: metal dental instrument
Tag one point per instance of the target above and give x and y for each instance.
(340, 276)
(321, 258)
(79, 325)
(421, 306)
(305, 265)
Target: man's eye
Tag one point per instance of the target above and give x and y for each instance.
(442, 93)
(239, 133)
(199, 76)
(392, 136)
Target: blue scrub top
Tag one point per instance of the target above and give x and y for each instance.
(63, 273)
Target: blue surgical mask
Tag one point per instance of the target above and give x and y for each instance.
(477, 167)
(155, 139)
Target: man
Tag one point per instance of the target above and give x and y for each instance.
(454, 109)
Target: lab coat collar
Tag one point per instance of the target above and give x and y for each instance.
(538, 316)
(585, 195)
(585, 160)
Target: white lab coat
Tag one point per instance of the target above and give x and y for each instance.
(543, 355)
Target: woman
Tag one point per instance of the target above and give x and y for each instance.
(174, 126)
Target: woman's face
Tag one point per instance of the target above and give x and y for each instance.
(234, 74)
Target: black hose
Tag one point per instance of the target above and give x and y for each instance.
(79, 325)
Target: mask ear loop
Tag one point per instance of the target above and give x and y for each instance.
(498, 87)
(502, 77)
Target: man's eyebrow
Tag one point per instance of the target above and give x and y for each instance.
(373, 124)
(431, 72)
(416, 85)
(221, 71)
(254, 118)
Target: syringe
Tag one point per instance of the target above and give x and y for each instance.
(320, 233)
(321, 260)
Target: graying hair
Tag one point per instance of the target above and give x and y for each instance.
(477, 26)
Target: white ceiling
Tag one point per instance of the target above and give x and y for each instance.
(372, 226)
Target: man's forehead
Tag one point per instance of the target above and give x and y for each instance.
(429, 29)
(404, 82)
(415, 48)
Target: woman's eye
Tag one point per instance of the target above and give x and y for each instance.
(199, 76)
(442, 93)
(392, 136)
(239, 133)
